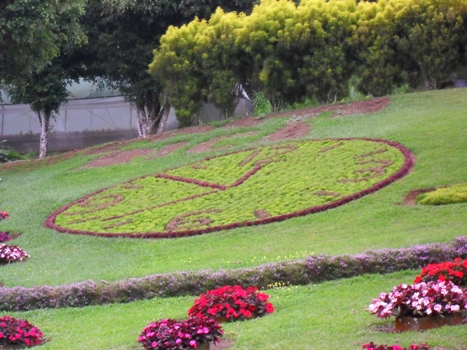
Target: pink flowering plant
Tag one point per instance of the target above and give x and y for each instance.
(373, 346)
(15, 331)
(170, 334)
(4, 237)
(454, 271)
(419, 300)
(9, 254)
(233, 303)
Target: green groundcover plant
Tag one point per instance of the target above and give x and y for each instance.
(445, 195)
(169, 334)
(243, 188)
(15, 331)
(232, 303)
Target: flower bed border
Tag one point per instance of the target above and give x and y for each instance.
(405, 169)
(313, 269)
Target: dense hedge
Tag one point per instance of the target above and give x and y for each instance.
(290, 52)
(313, 269)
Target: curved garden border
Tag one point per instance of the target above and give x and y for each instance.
(314, 269)
(50, 222)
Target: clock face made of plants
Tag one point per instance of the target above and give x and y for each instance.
(251, 187)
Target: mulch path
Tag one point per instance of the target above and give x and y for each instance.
(208, 145)
(294, 129)
(411, 197)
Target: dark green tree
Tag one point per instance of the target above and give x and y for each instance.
(32, 33)
(125, 34)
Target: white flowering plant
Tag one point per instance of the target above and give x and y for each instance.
(13, 253)
(420, 300)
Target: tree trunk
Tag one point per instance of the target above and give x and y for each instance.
(44, 119)
(142, 121)
(164, 118)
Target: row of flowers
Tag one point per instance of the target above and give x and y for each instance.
(313, 269)
(202, 327)
(224, 304)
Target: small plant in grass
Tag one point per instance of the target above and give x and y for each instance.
(15, 331)
(454, 271)
(4, 237)
(9, 254)
(3, 215)
(232, 303)
(446, 195)
(170, 334)
(422, 299)
(373, 346)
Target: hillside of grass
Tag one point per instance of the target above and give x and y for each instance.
(432, 125)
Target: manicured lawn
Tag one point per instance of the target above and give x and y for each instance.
(332, 315)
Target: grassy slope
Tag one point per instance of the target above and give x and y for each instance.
(431, 124)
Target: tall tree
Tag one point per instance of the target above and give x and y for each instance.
(126, 33)
(41, 83)
(45, 92)
(32, 32)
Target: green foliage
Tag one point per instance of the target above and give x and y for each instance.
(8, 155)
(261, 104)
(266, 59)
(420, 42)
(432, 35)
(32, 32)
(446, 195)
(123, 35)
(326, 52)
(380, 69)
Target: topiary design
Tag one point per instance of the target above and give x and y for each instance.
(250, 187)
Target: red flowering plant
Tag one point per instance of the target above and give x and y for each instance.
(14, 331)
(232, 303)
(170, 334)
(454, 271)
(3, 215)
(421, 299)
(373, 346)
(9, 254)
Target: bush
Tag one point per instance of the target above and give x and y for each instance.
(313, 269)
(448, 195)
(8, 155)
